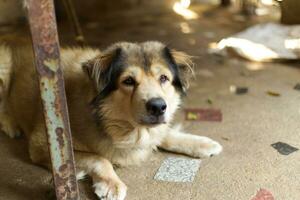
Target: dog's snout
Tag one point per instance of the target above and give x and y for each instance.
(156, 106)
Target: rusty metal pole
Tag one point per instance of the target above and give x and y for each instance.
(43, 28)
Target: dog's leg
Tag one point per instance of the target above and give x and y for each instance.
(7, 123)
(107, 184)
(192, 145)
(38, 146)
(7, 126)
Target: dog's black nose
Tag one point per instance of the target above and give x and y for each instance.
(156, 106)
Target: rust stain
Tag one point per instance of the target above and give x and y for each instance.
(65, 184)
(60, 138)
(52, 64)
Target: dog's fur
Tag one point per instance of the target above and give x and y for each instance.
(109, 120)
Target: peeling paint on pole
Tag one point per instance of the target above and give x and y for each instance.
(52, 64)
(46, 48)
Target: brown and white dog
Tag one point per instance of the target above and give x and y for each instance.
(121, 102)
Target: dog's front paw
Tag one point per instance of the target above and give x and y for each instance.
(110, 190)
(9, 129)
(206, 147)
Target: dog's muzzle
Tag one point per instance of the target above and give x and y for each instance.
(156, 108)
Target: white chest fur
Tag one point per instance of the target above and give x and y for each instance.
(135, 146)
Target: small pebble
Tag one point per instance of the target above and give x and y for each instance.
(297, 86)
(238, 90)
(225, 138)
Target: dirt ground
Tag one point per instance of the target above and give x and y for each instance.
(251, 122)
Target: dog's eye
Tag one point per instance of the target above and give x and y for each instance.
(163, 78)
(129, 81)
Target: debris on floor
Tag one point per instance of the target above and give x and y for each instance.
(175, 169)
(225, 138)
(256, 44)
(209, 101)
(238, 90)
(263, 194)
(283, 148)
(297, 86)
(272, 93)
(207, 114)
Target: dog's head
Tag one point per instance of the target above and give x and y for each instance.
(140, 83)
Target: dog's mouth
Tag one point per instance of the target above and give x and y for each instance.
(152, 120)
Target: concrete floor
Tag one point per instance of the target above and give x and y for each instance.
(251, 122)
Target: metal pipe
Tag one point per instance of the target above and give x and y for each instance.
(43, 28)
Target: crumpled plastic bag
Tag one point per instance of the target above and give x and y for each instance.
(263, 43)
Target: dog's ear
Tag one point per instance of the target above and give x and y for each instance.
(185, 66)
(99, 68)
(182, 66)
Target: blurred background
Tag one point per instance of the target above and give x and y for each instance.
(246, 55)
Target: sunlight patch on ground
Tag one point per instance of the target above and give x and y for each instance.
(182, 8)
